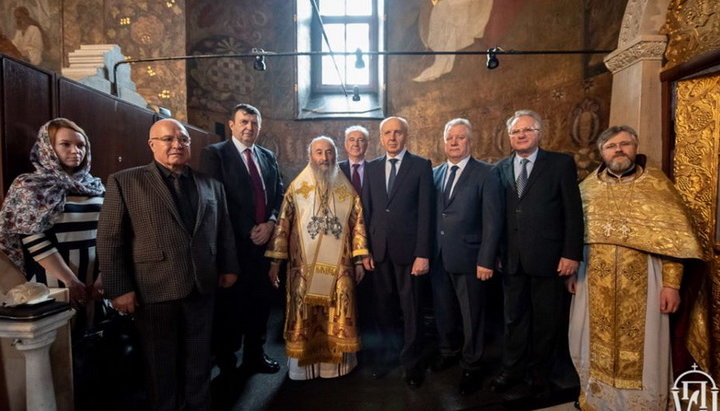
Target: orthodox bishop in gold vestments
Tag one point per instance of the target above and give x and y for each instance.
(321, 231)
(637, 234)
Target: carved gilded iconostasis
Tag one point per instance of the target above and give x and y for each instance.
(693, 29)
(572, 92)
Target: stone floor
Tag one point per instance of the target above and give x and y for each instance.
(358, 391)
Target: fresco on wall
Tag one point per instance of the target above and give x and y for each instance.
(573, 100)
(142, 29)
(30, 30)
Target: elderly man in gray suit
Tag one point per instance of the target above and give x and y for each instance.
(165, 243)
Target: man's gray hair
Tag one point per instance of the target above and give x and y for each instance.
(359, 128)
(456, 122)
(524, 113)
(400, 119)
(613, 131)
(321, 138)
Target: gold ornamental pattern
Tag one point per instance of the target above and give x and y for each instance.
(618, 276)
(693, 28)
(697, 124)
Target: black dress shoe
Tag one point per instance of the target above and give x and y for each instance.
(503, 382)
(262, 365)
(443, 363)
(469, 383)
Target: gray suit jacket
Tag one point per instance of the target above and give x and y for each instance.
(143, 245)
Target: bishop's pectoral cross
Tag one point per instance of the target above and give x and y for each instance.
(620, 226)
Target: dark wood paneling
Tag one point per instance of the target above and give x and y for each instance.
(117, 130)
(27, 96)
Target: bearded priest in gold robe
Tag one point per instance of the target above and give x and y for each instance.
(637, 234)
(321, 231)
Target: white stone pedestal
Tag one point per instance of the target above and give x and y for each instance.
(33, 340)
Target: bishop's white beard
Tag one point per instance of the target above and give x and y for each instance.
(324, 179)
(620, 164)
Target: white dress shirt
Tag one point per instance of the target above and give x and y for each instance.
(461, 166)
(388, 166)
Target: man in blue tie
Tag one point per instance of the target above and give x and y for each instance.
(398, 199)
(542, 246)
(469, 216)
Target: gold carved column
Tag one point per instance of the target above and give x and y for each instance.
(697, 153)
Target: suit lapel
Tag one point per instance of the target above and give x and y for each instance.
(461, 180)
(508, 174)
(202, 194)
(537, 170)
(163, 192)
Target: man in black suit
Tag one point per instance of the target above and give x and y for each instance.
(164, 245)
(469, 215)
(356, 144)
(398, 200)
(253, 184)
(543, 245)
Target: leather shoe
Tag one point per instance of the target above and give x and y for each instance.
(503, 382)
(469, 383)
(262, 365)
(443, 363)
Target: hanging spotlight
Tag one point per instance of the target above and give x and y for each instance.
(492, 60)
(359, 62)
(259, 63)
(356, 93)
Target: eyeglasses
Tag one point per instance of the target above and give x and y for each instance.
(183, 140)
(519, 131)
(622, 144)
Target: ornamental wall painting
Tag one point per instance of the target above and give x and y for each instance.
(30, 30)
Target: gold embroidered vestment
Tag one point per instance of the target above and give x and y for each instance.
(626, 220)
(319, 330)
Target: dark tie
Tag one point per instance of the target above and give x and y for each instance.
(522, 179)
(393, 174)
(258, 192)
(356, 178)
(448, 185)
(183, 201)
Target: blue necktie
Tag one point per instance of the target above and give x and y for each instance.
(448, 185)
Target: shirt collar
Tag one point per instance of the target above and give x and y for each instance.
(399, 156)
(461, 164)
(241, 147)
(532, 157)
(166, 172)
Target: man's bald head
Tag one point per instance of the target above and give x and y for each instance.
(170, 144)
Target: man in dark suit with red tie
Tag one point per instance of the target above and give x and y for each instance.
(398, 200)
(356, 144)
(252, 180)
(543, 245)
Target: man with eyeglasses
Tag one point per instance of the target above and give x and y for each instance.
(251, 177)
(542, 246)
(637, 235)
(164, 245)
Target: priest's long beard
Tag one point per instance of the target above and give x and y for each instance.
(324, 179)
